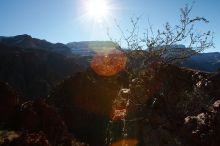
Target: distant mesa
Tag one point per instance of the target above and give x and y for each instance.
(90, 48)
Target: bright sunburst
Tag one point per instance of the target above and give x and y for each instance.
(97, 9)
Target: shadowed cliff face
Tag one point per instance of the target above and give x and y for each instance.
(85, 102)
(8, 102)
(33, 71)
(167, 94)
(167, 104)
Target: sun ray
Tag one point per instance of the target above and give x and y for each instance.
(99, 10)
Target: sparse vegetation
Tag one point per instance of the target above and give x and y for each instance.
(165, 45)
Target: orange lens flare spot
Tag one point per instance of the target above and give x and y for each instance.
(126, 142)
(109, 64)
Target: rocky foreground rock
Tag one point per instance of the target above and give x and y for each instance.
(31, 123)
(165, 106)
(160, 100)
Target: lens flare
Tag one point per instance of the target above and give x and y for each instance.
(109, 64)
(126, 142)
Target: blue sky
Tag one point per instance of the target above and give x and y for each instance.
(65, 21)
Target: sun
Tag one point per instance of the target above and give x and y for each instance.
(97, 9)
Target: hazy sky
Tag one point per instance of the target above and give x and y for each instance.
(65, 20)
